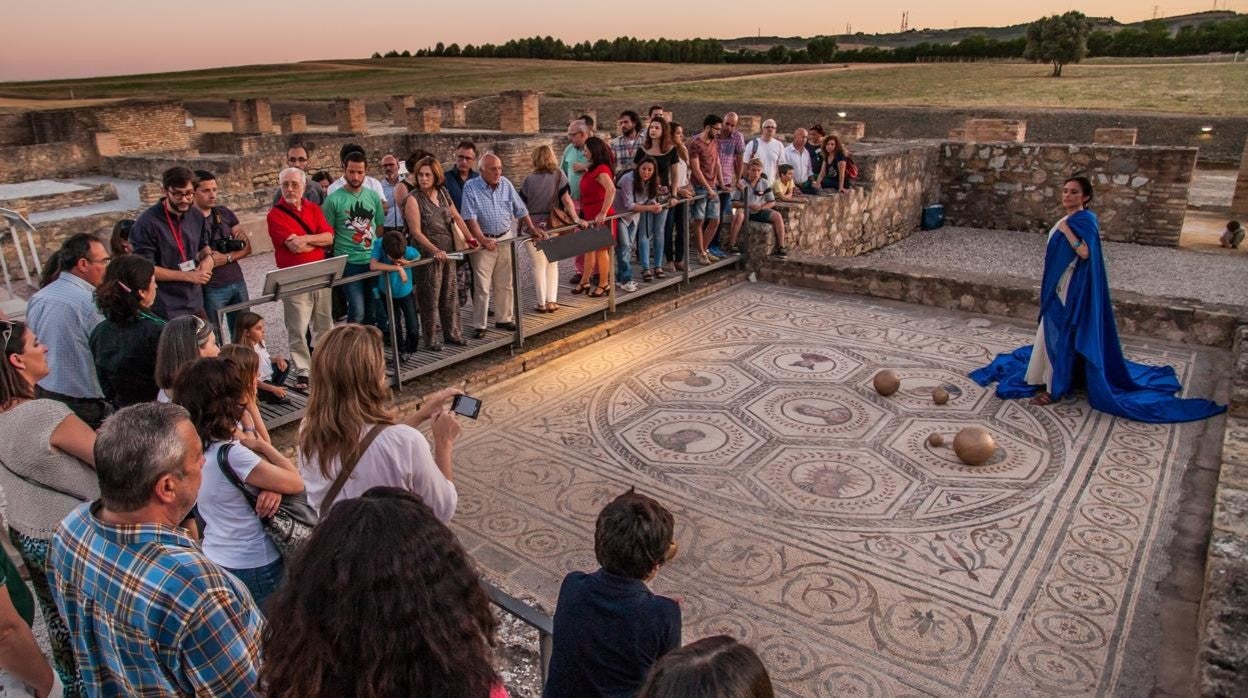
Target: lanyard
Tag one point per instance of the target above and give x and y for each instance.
(176, 232)
(153, 318)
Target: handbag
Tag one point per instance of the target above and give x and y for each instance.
(349, 466)
(558, 218)
(292, 523)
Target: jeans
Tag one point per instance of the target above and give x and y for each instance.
(216, 298)
(406, 326)
(677, 233)
(626, 240)
(358, 293)
(651, 232)
(260, 581)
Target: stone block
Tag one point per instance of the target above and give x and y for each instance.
(425, 119)
(150, 193)
(957, 134)
(454, 112)
(294, 123)
(251, 116)
(351, 116)
(747, 124)
(847, 131)
(1114, 136)
(996, 130)
(518, 111)
(399, 104)
(106, 144)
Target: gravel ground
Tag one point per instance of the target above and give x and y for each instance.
(1208, 276)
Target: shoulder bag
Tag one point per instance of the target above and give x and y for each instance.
(349, 466)
(292, 523)
(459, 237)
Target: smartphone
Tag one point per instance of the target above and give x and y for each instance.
(467, 406)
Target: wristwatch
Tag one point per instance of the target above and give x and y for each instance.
(229, 258)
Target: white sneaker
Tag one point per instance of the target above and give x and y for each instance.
(628, 286)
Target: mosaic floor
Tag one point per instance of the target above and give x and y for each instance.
(814, 520)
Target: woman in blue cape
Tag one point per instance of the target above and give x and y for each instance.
(1077, 338)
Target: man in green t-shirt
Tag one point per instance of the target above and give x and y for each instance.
(357, 216)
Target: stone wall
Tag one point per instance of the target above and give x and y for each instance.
(1141, 192)
(896, 180)
(1222, 663)
(50, 202)
(15, 130)
(140, 127)
(24, 163)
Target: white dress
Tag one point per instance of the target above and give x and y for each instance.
(1039, 369)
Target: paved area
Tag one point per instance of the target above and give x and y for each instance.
(127, 200)
(38, 187)
(1207, 273)
(816, 523)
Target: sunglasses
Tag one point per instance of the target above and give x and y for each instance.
(6, 334)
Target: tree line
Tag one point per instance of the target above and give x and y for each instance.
(1151, 38)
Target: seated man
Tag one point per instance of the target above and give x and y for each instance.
(754, 195)
(610, 628)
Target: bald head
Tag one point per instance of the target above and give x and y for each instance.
(491, 169)
(799, 137)
(730, 122)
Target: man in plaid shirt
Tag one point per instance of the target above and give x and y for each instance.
(149, 613)
(624, 146)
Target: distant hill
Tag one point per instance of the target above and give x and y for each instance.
(953, 36)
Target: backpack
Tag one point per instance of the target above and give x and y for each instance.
(851, 168)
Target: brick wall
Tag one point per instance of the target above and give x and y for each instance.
(15, 129)
(51, 202)
(139, 126)
(28, 162)
(1115, 136)
(1141, 192)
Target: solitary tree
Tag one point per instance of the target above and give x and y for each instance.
(821, 49)
(1059, 40)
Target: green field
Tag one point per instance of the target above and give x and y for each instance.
(1203, 88)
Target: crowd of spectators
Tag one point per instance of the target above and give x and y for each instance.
(143, 486)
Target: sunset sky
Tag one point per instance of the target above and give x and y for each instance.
(73, 38)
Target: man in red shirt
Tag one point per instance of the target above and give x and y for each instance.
(300, 235)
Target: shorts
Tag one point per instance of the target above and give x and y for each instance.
(705, 208)
(763, 216)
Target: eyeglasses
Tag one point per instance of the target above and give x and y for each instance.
(469, 158)
(104, 260)
(184, 194)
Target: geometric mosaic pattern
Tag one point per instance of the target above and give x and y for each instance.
(815, 522)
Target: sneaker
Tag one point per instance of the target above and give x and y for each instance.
(704, 258)
(715, 251)
(732, 249)
(781, 252)
(628, 286)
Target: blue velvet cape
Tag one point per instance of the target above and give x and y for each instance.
(1081, 338)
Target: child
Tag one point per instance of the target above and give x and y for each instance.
(1232, 236)
(755, 196)
(249, 332)
(392, 253)
(785, 189)
(610, 628)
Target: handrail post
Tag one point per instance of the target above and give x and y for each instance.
(685, 214)
(384, 279)
(545, 647)
(517, 313)
(611, 276)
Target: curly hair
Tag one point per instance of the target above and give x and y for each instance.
(211, 390)
(118, 295)
(359, 617)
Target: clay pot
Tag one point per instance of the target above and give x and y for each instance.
(935, 440)
(974, 445)
(940, 396)
(886, 382)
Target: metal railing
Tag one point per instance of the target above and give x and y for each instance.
(16, 223)
(544, 624)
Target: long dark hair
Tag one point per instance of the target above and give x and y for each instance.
(1085, 185)
(713, 667)
(13, 385)
(599, 153)
(359, 618)
(118, 295)
(647, 189)
(212, 391)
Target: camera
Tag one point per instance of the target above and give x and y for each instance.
(228, 245)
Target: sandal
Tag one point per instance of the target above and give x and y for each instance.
(658, 273)
(301, 384)
(647, 276)
(1042, 399)
(599, 291)
(579, 289)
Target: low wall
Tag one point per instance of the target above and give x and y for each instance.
(51, 202)
(25, 163)
(15, 129)
(1141, 192)
(140, 126)
(896, 180)
(1222, 663)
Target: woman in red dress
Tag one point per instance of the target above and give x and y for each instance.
(597, 195)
